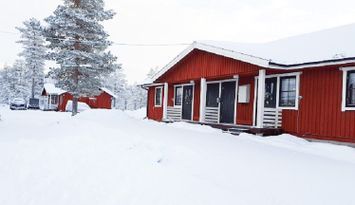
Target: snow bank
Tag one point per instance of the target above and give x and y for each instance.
(81, 106)
(108, 157)
(137, 114)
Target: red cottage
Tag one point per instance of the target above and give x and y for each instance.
(303, 84)
(56, 99)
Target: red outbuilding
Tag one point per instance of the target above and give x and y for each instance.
(56, 99)
(304, 85)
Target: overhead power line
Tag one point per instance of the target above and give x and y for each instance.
(113, 43)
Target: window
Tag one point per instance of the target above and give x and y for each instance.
(270, 92)
(54, 99)
(158, 96)
(178, 96)
(350, 89)
(287, 96)
(212, 95)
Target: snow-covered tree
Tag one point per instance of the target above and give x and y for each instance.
(14, 82)
(78, 44)
(117, 83)
(34, 53)
(152, 72)
(137, 97)
(4, 84)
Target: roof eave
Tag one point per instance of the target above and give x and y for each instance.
(274, 65)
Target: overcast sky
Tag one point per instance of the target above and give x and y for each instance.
(183, 21)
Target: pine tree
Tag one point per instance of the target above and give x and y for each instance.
(79, 42)
(4, 84)
(116, 82)
(17, 84)
(34, 53)
(152, 72)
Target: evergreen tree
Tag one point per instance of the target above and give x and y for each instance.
(79, 42)
(137, 98)
(4, 84)
(116, 82)
(15, 82)
(34, 53)
(152, 72)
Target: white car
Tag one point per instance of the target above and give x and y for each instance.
(18, 104)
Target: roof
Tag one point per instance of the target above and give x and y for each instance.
(330, 46)
(109, 92)
(52, 90)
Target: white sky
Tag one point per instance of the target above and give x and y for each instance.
(183, 21)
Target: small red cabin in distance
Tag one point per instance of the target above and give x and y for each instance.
(57, 99)
(304, 85)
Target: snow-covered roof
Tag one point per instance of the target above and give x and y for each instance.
(109, 92)
(331, 46)
(52, 90)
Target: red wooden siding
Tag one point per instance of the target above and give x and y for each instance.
(320, 114)
(63, 99)
(102, 101)
(154, 113)
(200, 64)
(245, 110)
(171, 94)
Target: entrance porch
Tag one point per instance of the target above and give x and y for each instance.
(252, 101)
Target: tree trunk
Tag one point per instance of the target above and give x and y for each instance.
(76, 72)
(75, 105)
(33, 88)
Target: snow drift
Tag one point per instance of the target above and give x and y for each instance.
(108, 157)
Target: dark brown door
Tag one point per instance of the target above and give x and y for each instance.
(227, 102)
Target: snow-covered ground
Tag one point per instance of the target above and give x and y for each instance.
(114, 157)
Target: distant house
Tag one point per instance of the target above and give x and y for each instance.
(53, 97)
(57, 99)
(303, 84)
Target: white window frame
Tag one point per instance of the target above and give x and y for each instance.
(344, 88)
(161, 96)
(278, 76)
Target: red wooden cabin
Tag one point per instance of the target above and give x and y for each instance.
(57, 99)
(304, 85)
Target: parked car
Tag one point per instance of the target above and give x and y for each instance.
(18, 104)
(33, 104)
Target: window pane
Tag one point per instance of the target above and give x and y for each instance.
(270, 92)
(178, 95)
(350, 90)
(158, 96)
(212, 95)
(287, 92)
(292, 85)
(54, 99)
